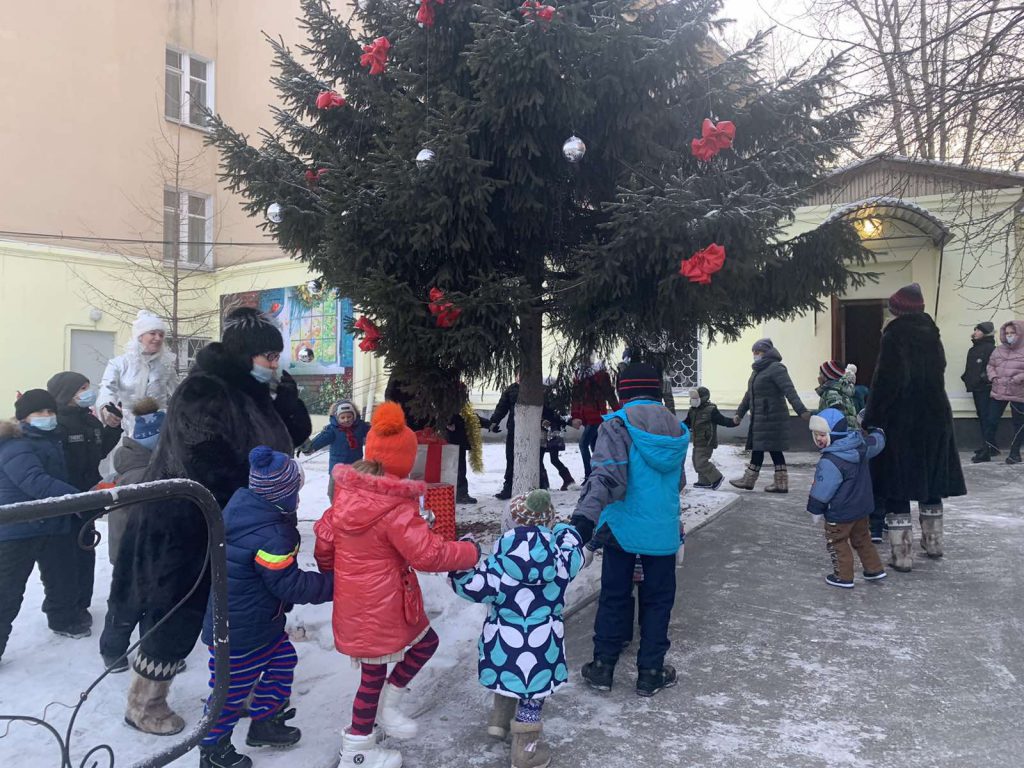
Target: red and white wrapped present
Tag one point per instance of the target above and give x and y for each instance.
(437, 461)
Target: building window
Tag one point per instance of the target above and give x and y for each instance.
(683, 366)
(188, 228)
(188, 88)
(186, 350)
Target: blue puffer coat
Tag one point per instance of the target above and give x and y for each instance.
(32, 467)
(337, 437)
(842, 490)
(264, 580)
(523, 582)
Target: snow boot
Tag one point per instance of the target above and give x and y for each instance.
(390, 717)
(464, 498)
(1013, 458)
(781, 482)
(931, 529)
(148, 710)
(650, 681)
(504, 494)
(746, 483)
(901, 539)
(76, 630)
(528, 747)
(598, 674)
(364, 752)
(222, 755)
(274, 731)
(503, 709)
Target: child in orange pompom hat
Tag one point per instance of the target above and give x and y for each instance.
(374, 539)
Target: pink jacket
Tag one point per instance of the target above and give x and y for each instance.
(1006, 366)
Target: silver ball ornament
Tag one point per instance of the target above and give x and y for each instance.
(574, 149)
(314, 287)
(306, 355)
(424, 157)
(275, 213)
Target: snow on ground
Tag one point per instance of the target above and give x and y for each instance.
(42, 675)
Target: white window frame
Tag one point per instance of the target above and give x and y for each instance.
(186, 352)
(184, 196)
(184, 94)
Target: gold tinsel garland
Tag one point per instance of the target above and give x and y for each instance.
(476, 443)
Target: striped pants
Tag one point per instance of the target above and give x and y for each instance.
(266, 673)
(364, 706)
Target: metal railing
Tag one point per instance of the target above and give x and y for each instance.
(160, 490)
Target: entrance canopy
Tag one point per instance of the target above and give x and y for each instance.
(895, 208)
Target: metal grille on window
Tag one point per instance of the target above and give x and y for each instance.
(683, 367)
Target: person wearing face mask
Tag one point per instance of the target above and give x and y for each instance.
(1006, 372)
(975, 379)
(768, 390)
(146, 369)
(234, 398)
(86, 441)
(704, 420)
(32, 467)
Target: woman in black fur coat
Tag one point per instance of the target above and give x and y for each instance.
(225, 407)
(908, 400)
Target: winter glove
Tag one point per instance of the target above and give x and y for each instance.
(306, 448)
(472, 540)
(287, 391)
(806, 415)
(495, 427)
(680, 554)
(736, 420)
(584, 527)
(588, 556)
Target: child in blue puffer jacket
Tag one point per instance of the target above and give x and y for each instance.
(346, 434)
(264, 582)
(843, 495)
(521, 652)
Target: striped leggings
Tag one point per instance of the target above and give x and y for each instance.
(364, 707)
(266, 673)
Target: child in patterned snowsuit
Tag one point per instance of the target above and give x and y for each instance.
(523, 583)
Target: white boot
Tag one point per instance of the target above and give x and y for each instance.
(390, 717)
(364, 752)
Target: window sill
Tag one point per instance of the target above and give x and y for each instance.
(188, 265)
(198, 128)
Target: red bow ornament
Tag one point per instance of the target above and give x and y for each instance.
(703, 264)
(371, 336)
(425, 15)
(714, 138)
(375, 56)
(312, 177)
(329, 100)
(537, 9)
(445, 312)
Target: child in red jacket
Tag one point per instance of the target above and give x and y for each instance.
(373, 538)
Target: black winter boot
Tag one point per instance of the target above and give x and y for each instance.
(273, 731)
(650, 681)
(222, 755)
(598, 675)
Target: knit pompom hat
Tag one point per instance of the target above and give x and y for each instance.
(149, 420)
(908, 300)
(832, 370)
(248, 332)
(275, 477)
(390, 440)
(533, 508)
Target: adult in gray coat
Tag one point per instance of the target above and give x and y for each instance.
(768, 390)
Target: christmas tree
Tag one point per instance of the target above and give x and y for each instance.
(425, 160)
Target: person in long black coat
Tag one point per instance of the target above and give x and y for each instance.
(975, 379)
(908, 401)
(226, 406)
(768, 390)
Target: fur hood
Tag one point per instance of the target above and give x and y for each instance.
(1019, 325)
(10, 430)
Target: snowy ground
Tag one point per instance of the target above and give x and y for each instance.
(42, 674)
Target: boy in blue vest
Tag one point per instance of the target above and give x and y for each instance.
(630, 506)
(842, 493)
(264, 581)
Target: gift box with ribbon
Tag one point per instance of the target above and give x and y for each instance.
(436, 460)
(440, 499)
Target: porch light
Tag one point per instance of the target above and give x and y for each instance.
(868, 228)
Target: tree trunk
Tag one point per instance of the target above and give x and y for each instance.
(529, 406)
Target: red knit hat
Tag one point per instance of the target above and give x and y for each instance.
(390, 441)
(832, 369)
(908, 300)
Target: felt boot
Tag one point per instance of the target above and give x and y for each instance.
(148, 710)
(503, 709)
(746, 483)
(781, 482)
(901, 539)
(528, 747)
(931, 529)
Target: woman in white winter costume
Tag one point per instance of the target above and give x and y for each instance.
(146, 369)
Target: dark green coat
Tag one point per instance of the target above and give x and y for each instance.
(704, 421)
(768, 390)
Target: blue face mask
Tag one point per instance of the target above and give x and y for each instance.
(262, 374)
(44, 423)
(86, 399)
